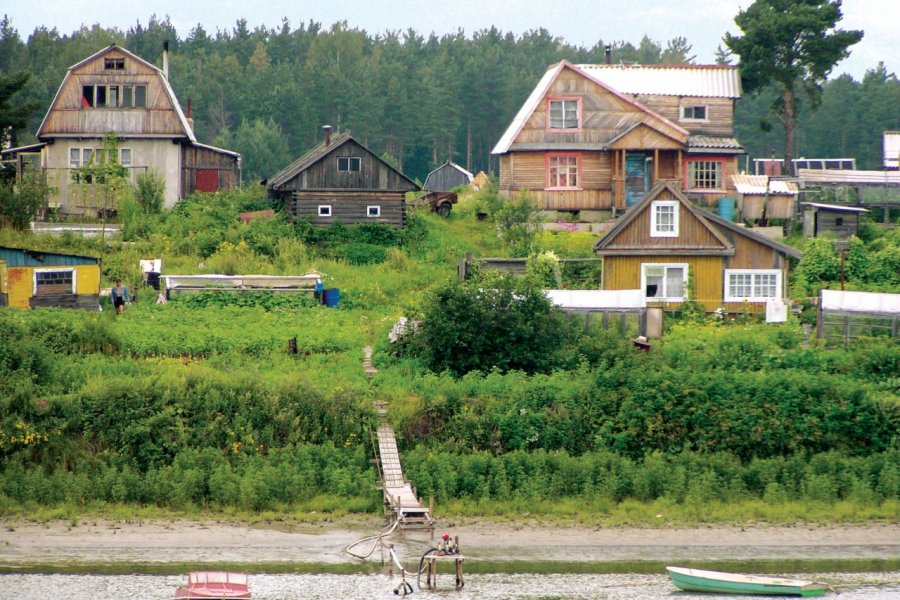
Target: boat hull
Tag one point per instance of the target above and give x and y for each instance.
(214, 585)
(696, 580)
(210, 593)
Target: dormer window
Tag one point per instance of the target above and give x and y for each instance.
(693, 113)
(114, 64)
(664, 218)
(564, 114)
(348, 164)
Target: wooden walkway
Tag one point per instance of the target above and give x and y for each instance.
(400, 501)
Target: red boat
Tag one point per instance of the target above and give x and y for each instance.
(209, 585)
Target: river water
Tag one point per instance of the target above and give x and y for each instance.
(846, 586)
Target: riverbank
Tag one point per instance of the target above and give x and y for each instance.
(153, 545)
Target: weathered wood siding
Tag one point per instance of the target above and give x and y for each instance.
(827, 221)
(374, 174)
(67, 116)
(719, 112)
(195, 159)
(624, 273)
(445, 178)
(775, 206)
(349, 208)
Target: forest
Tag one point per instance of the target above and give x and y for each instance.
(418, 97)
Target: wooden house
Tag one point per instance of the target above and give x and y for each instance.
(114, 91)
(31, 278)
(761, 197)
(839, 221)
(446, 177)
(600, 136)
(664, 241)
(340, 180)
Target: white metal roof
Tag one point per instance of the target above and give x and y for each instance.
(861, 302)
(845, 177)
(836, 207)
(596, 299)
(758, 184)
(711, 81)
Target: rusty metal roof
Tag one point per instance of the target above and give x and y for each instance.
(710, 81)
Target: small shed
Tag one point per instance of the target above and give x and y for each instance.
(32, 278)
(842, 221)
(762, 197)
(446, 177)
(340, 180)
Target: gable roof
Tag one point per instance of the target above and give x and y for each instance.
(187, 130)
(540, 91)
(319, 152)
(710, 81)
(712, 222)
(452, 164)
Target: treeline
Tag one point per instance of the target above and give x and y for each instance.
(423, 99)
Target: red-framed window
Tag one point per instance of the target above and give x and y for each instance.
(564, 114)
(563, 171)
(704, 174)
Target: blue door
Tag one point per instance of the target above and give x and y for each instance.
(637, 177)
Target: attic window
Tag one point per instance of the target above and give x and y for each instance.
(664, 218)
(114, 64)
(348, 163)
(693, 113)
(564, 114)
(114, 96)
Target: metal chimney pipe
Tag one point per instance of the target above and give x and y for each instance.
(165, 68)
(327, 129)
(608, 54)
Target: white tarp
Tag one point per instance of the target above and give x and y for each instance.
(776, 310)
(152, 265)
(861, 302)
(597, 299)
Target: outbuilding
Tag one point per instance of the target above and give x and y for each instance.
(32, 279)
(842, 221)
(446, 177)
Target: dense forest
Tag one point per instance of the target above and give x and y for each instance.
(421, 98)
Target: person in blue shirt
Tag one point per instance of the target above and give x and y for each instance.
(119, 296)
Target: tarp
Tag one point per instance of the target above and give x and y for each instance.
(861, 302)
(597, 299)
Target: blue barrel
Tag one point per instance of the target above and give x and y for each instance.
(331, 297)
(726, 208)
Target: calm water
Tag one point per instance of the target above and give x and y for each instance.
(851, 586)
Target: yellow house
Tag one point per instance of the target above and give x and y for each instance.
(31, 279)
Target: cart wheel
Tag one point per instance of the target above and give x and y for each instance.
(444, 210)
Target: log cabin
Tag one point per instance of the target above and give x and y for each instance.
(598, 137)
(342, 181)
(117, 92)
(664, 240)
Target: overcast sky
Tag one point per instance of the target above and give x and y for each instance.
(579, 22)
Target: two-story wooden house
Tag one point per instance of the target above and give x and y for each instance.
(114, 91)
(595, 137)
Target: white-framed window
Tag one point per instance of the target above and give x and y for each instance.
(564, 113)
(562, 171)
(666, 281)
(113, 96)
(87, 154)
(74, 158)
(324, 210)
(664, 218)
(53, 281)
(693, 113)
(373, 211)
(349, 163)
(752, 284)
(125, 157)
(704, 175)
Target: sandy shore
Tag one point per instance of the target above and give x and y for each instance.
(24, 543)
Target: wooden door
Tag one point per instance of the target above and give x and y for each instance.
(207, 180)
(637, 177)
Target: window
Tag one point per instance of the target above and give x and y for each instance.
(51, 282)
(704, 175)
(125, 157)
(140, 96)
(324, 210)
(373, 211)
(664, 218)
(664, 282)
(114, 96)
(839, 221)
(693, 113)
(564, 113)
(562, 171)
(752, 285)
(74, 158)
(114, 64)
(348, 163)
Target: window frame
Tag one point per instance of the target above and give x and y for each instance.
(753, 273)
(114, 95)
(114, 64)
(72, 270)
(694, 119)
(705, 159)
(548, 126)
(654, 219)
(666, 298)
(127, 164)
(549, 157)
(324, 210)
(350, 162)
(377, 208)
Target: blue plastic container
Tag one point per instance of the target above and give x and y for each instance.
(331, 297)
(726, 208)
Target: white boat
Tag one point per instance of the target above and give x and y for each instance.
(696, 580)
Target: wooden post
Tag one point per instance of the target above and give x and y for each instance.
(655, 165)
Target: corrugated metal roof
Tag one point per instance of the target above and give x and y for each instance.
(717, 143)
(844, 177)
(761, 184)
(861, 302)
(711, 81)
(22, 257)
(836, 207)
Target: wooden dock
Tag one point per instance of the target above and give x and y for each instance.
(400, 501)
